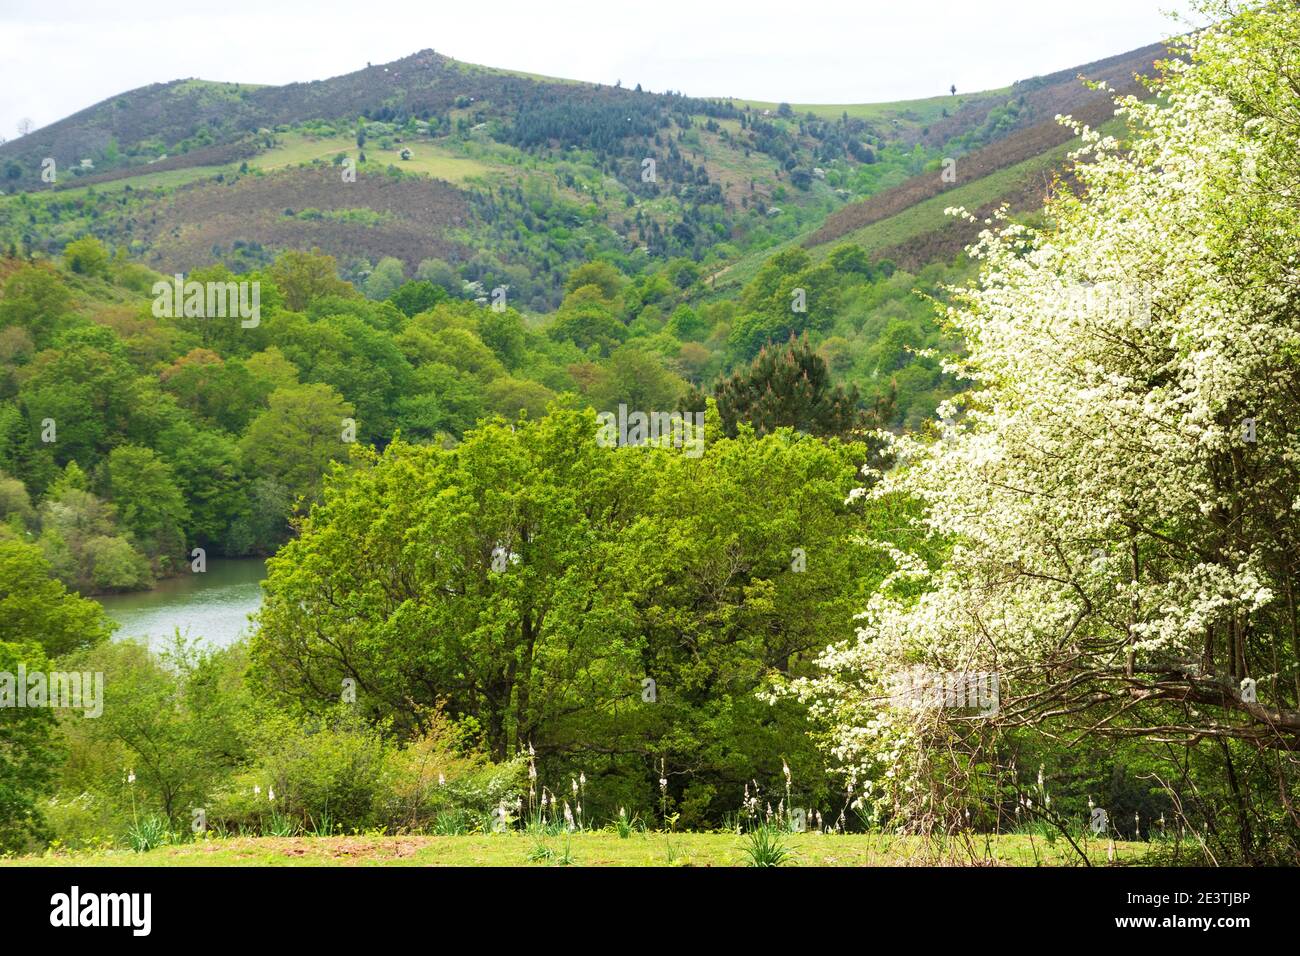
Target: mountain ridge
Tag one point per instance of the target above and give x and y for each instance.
(537, 173)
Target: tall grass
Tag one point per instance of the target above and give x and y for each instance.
(765, 846)
(146, 833)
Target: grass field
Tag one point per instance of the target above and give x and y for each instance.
(929, 215)
(596, 849)
(167, 179)
(923, 217)
(296, 148)
(917, 112)
(918, 219)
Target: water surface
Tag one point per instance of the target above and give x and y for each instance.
(212, 606)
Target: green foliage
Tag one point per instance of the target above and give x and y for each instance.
(416, 297)
(610, 566)
(148, 832)
(510, 586)
(95, 400)
(172, 719)
(83, 542)
(503, 332)
(1085, 536)
(603, 275)
(149, 504)
(303, 277)
(80, 821)
(386, 279)
(180, 731)
(788, 387)
(874, 325)
(87, 257)
(35, 606)
(29, 747)
(16, 505)
(37, 301)
(297, 437)
(333, 767)
(765, 846)
(626, 825)
(686, 324)
(637, 378)
(439, 273)
(509, 396)
(588, 322)
(207, 472)
(196, 393)
(789, 296)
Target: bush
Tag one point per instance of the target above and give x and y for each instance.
(83, 821)
(332, 767)
(343, 770)
(433, 780)
(87, 256)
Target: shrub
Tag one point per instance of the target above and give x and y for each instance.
(433, 780)
(346, 771)
(334, 766)
(83, 821)
(87, 256)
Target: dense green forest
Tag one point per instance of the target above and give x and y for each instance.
(171, 438)
(203, 433)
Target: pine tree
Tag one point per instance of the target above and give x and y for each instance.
(791, 386)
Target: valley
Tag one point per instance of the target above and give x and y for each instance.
(448, 464)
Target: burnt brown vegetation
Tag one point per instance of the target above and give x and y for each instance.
(1041, 98)
(1016, 148)
(278, 210)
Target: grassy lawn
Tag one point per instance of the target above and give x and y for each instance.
(593, 849)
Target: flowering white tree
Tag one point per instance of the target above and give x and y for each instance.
(1120, 487)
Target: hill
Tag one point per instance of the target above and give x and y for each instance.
(512, 179)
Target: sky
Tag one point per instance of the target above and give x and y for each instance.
(58, 58)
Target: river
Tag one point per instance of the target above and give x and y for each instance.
(212, 606)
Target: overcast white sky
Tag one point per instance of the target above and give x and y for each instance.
(59, 57)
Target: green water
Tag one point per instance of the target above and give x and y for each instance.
(212, 606)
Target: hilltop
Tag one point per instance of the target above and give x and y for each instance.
(513, 178)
